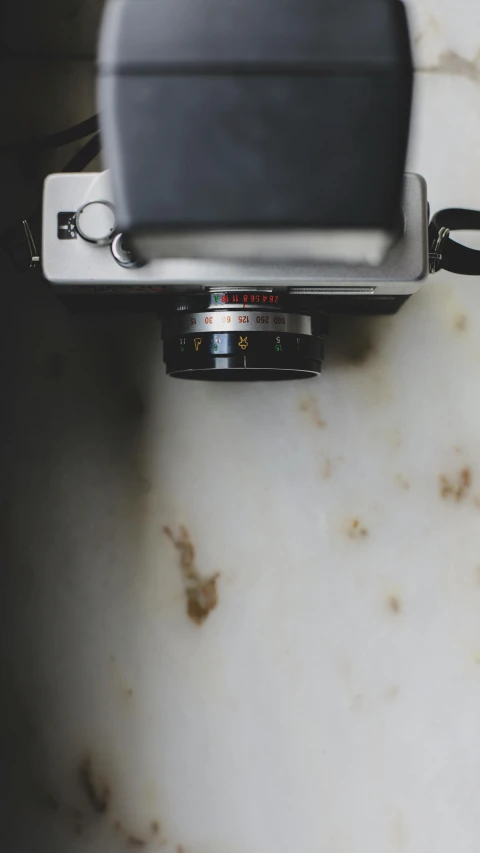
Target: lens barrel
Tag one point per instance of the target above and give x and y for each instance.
(242, 336)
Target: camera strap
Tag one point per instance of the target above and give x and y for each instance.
(446, 253)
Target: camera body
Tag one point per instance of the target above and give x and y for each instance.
(220, 317)
(256, 152)
(89, 264)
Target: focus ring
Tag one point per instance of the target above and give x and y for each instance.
(232, 340)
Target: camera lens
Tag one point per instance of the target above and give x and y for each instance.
(235, 335)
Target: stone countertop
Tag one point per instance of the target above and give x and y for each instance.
(245, 619)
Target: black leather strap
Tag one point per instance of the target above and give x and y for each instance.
(56, 140)
(446, 253)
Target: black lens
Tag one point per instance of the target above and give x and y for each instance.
(242, 336)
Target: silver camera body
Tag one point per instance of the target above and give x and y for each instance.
(237, 318)
(90, 264)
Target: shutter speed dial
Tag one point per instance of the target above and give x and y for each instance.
(95, 222)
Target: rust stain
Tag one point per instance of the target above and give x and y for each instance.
(201, 600)
(329, 466)
(394, 604)
(354, 341)
(451, 62)
(69, 811)
(95, 790)
(310, 407)
(356, 530)
(180, 849)
(133, 841)
(461, 323)
(360, 350)
(201, 593)
(458, 488)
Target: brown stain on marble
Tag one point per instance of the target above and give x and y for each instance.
(356, 530)
(97, 793)
(354, 341)
(460, 323)
(72, 815)
(309, 406)
(329, 466)
(358, 343)
(133, 841)
(200, 592)
(450, 62)
(95, 789)
(361, 344)
(456, 488)
(402, 482)
(360, 350)
(394, 603)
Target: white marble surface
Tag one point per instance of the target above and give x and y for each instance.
(330, 702)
